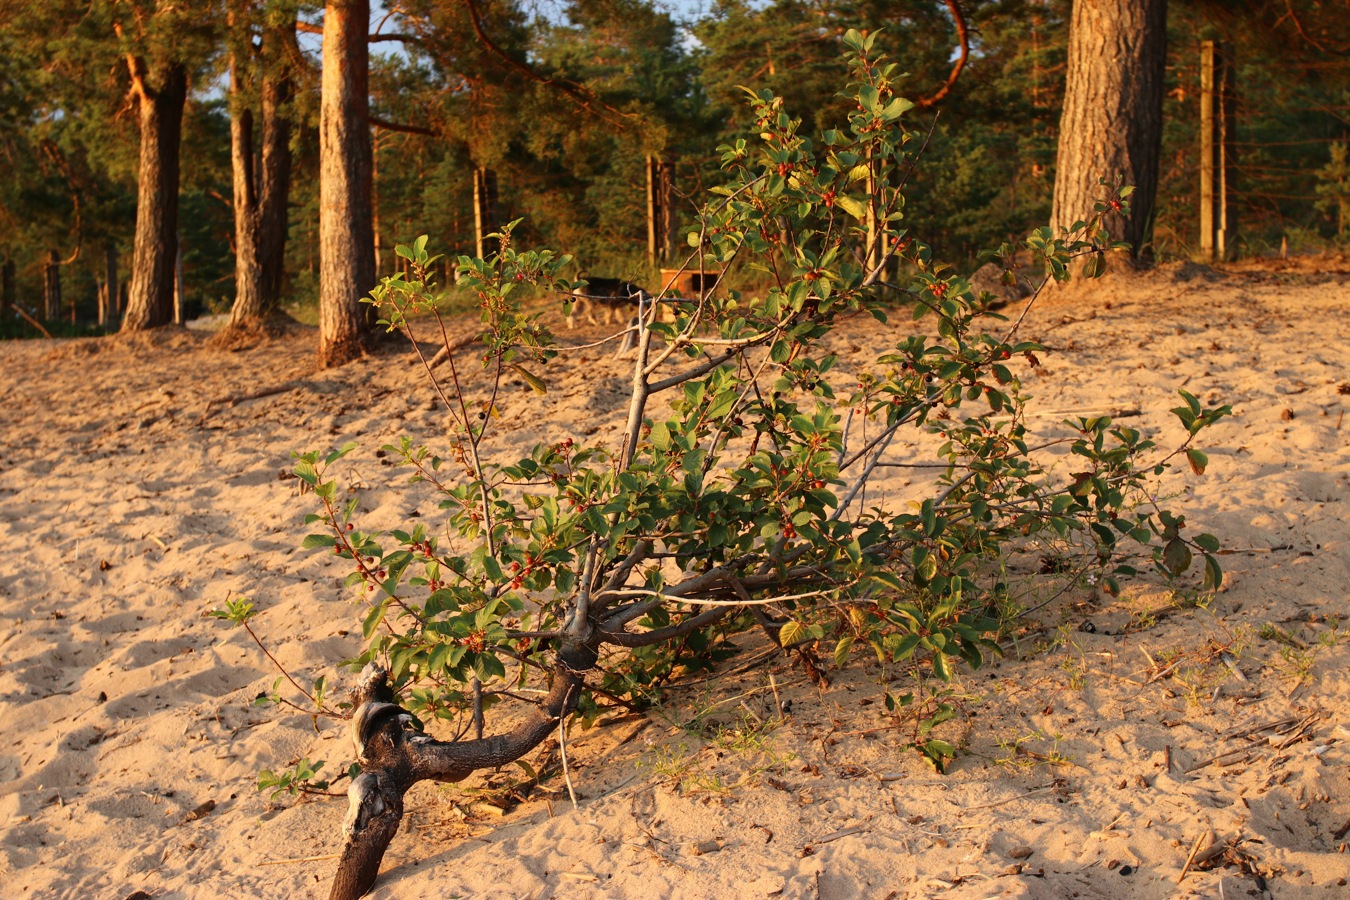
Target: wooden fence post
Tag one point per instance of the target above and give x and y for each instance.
(51, 287)
(8, 289)
(178, 283)
(484, 208)
(1218, 224)
(653, 213)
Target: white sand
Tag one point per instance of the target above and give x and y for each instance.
(134, 497)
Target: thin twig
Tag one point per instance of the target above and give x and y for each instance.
(1195, 848)
(1031, 793)
(298, 859)
(562, 751)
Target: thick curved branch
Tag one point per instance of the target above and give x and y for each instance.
(670, 633)
(394, 757)
(404, 129)
(963, 36)
(584, 98)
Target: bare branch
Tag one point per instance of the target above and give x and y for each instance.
(963, 35)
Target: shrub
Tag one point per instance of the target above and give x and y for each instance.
(741, 507)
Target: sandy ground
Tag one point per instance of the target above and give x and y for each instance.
(143, 481)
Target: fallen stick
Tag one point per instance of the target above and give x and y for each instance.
(233, 400)
(842, 833)
(1268, 726)
(298, 859)
(446, 349)
(1031, 793)
(1115, 412)
(1222, 756)
(34, 322)
(1195, 848)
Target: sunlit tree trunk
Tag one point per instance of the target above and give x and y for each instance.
(274, 192)
(108, 288)
(1111, 125)
(248, 300)
(8, 288)
(261, 180)
(51, 287)
(160, 111)
(346, 239)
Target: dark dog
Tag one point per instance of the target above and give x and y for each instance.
(614, 295)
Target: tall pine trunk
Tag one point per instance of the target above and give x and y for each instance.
(51, 287)
(346, 238)
(8, 290)
(274, 195)
(248, 306)
(1111, 125)
(160, 108)
(261, 181)
(108, 288)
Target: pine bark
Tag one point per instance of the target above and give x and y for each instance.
(51, 287)
(278, 88)
(108, 291)
(160, 111)
(248, 306)
(346, 236)
(8, 289)
(1111, 126)
(261, 180)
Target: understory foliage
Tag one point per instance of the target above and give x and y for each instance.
(735, 497)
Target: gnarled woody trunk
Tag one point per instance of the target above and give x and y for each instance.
(394, 758)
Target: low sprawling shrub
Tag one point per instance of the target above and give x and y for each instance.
(599, 568)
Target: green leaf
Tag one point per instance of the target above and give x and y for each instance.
(318, 540)
(851, 205)
(842, 649)
(339, 453)
(1213, 573)
(791, 632)
(532, 380)
(1176, 556)
(374, 618)
(1207, 542)
(896, 108)
(1198, 461)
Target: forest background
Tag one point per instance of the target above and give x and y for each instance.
(562, 106)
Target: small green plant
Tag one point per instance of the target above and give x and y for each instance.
(1019, 751)
(740, 500)
(300, 777)
(1196, 683)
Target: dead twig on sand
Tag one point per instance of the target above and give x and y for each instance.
(446, 349)
(298, 859)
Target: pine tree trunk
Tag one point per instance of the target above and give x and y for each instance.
(8, 289)
(248, 306)
(275, 189)
(346, 238)
(261, 186)
(51, 287)
(1111, 125)
(107, 298)
(151, 299)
